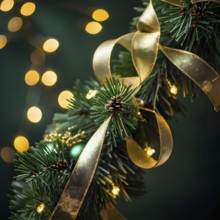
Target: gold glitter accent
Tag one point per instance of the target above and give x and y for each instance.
(66, 137)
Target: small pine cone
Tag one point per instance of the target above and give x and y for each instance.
(60, 165)
(114, 104)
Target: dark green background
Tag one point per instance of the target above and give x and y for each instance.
(186, 187)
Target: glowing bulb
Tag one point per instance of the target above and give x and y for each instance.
(50, 45)
(49, 78)
(40, 208)
(173, 89)
(100, 15)
(93, 27)
(32, 77)
(150, 151)
(15, 24)
(91, 93)
(63, 98)
(7, 154)
(3, 41)
(21, 144)
(115, 191)
(34, 114)
(28, 8)
(7, 5)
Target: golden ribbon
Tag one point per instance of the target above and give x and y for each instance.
(144, 45)
(137, 154)
(81, 177)
(197, 70)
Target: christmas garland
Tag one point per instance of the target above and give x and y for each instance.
(93, 156)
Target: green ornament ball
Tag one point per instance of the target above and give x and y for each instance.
(75, 151)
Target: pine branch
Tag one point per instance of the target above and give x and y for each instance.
(114, 100)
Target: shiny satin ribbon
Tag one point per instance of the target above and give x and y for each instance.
(199, 71)
(137, 154)
(81, 177)
(143, 45)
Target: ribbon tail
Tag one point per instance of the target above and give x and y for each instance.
(198, 70)
(81, 177)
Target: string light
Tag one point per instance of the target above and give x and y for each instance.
(173, 89)
(7, 5)
(34, 114)
(40, 208)
(27, 8)
(49, 78)
(63, 98)
(7, 154)
(32, 77)
(50, 45)
(100, 15)
(93, 27)
(91, 93)
(15, 24)
(3, 41)
(21, 144)
(115, 191)
(150, 151)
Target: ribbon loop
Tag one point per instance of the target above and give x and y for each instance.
(137, 154)
(142, 44)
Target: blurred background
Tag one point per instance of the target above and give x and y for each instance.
(44, 47)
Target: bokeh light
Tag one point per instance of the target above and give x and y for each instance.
(32, 77)
(50, 45)
(38, 57)
(28, 8)
(15, 24)
(100, 15)
(93, 27)
(3, 41)
(34, 114)
(63, 98)
(21, 144)
(6, 5)
(49, 78)
(7, 154)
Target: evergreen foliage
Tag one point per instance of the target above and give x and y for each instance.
(45, 168)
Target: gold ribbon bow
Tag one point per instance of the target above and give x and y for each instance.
(143, 45)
